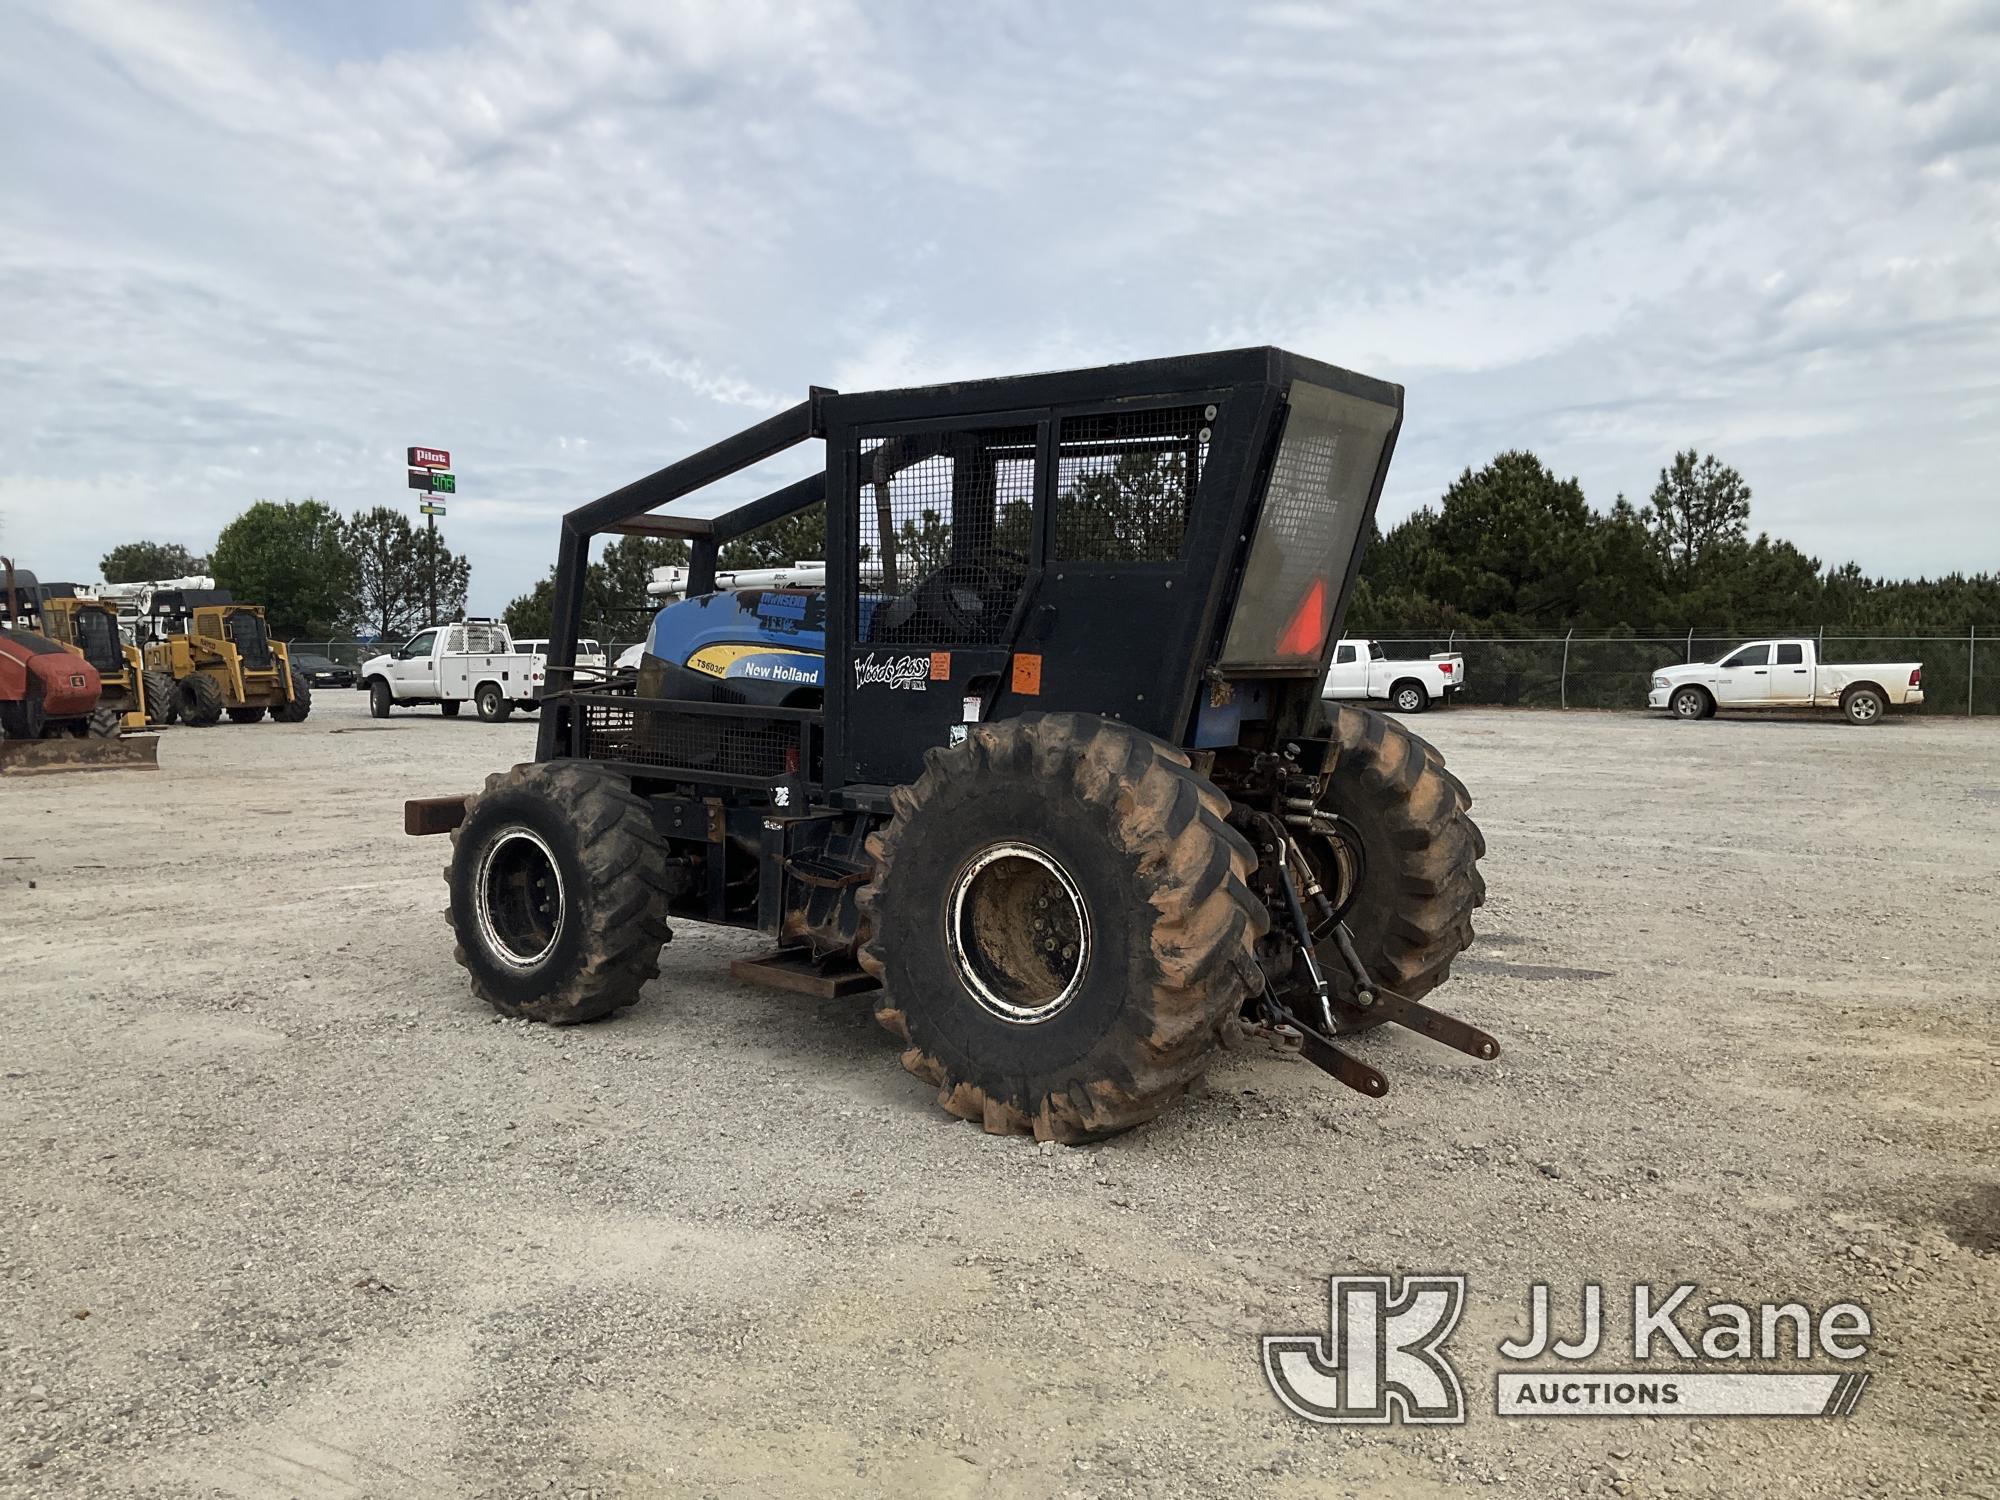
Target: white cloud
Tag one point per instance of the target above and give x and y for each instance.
(246, 255)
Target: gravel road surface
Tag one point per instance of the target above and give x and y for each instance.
(285, 1212)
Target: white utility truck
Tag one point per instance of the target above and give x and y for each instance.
(1362, 669)
(592, 666)
(1786, 674)
(467, 661)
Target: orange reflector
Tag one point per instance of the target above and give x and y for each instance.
(1307, 632)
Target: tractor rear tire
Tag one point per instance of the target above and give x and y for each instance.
(249, 714)
(300, 704)
(1063, 926)
(104, 724)
(559, 890)
(198, 700)
(1415, 883)
(159, 698)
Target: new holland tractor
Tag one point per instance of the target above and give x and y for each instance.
(219, 658)
(1041, 767)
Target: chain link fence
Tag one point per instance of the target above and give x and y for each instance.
(350, 654)
(1961, 672)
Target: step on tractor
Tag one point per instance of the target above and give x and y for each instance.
(52, 715)
(208, 656)
(1041, 767)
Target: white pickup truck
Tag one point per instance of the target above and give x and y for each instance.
(1362, 669)
(1786, 674)
(467, 661)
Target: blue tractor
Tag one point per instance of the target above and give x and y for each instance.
(1038, 764)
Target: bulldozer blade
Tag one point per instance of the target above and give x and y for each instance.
(1387, 1005)
(132, 752)
(1344, 1066)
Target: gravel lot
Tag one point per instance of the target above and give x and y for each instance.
(284, 1212)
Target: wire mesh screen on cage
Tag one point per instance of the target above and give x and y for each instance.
(1125, 482)
(946, 527)
(1308, 529)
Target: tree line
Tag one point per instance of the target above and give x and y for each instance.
(1509, 549)
(318, 574)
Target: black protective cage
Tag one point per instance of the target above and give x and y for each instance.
(1138, 637)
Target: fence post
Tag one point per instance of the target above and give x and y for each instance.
(1564, 687)
(1971, 652)
(1689, 654)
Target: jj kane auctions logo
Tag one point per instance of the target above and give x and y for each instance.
(1382, 1358)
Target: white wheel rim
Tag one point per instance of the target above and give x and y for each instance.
(518, 854)
(1029, 961)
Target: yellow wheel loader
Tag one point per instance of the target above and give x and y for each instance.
(220, 659)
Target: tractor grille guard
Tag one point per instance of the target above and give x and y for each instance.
(735, 744)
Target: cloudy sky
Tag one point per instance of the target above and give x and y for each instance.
(256, 251)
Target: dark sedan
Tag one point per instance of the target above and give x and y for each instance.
(322, 671)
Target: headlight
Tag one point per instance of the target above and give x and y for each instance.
(1659, 682)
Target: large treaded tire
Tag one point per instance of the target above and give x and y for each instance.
(1420, 880)
(1174, 924)
(104, 724)
(198, 700)
(614, 883)
(159, 687)
(249, 714)
(301, 704)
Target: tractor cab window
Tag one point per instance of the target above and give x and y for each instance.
(246, 632)
(1125, 482)
(419, 645)
(946, 528)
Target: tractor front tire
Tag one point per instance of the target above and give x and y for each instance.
(159, 688)
(300, 704)
(1063, 926)
(559, 890)
(198, 700)
(1407, 881)
(104, 724)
